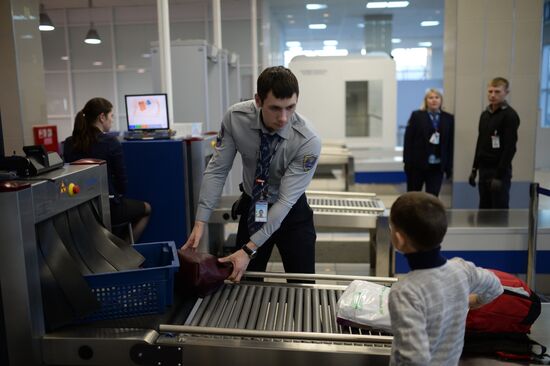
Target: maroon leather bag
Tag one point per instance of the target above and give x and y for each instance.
(201, 273)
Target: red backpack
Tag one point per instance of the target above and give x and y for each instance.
(512, 312)
(500, 328)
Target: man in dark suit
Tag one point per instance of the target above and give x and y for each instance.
(428, 147)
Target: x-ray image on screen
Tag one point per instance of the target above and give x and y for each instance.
(147, 112)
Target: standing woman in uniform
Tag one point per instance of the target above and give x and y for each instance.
(428, 147)
(90, 140)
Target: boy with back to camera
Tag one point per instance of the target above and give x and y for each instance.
(428, 306)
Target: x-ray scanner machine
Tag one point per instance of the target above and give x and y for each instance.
(351, 98)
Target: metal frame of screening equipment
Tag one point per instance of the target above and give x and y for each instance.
(20, 211)
(348, 211)
(334, 156)
(189, 338)
(160, 338)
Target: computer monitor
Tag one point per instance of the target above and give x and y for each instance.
(147, 112)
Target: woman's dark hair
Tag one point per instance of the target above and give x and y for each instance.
(85, 131)
(279, 80)
(421, 217)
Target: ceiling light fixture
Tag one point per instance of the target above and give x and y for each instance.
(316, 6)
(92, 37)
(387, 4)
(330, 42)
(429, 23)
(425, 44)
(398, 4)
(317, 26)
(396, 40)
(46, 24)
(293, 44)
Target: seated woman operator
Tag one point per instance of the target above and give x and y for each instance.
(90, 140)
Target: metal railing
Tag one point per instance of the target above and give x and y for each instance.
(534, 191)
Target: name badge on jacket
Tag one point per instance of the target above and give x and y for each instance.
(495, 141)
(434, 139)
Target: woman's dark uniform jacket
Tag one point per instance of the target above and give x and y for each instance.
(417, 147)
(108, 148)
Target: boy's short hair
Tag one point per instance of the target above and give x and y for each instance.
(278, 80)
(421, 217)
(500, 81)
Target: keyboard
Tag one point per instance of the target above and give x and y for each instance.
(147, 135)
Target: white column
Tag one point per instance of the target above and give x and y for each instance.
(254, 46)
(165, 53)
(217, 23)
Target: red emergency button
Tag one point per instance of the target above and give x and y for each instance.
(73, 189)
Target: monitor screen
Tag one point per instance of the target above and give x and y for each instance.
(147, 112)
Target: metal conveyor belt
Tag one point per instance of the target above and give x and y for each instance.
(274, 311)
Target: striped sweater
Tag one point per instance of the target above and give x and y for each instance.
(428, 309)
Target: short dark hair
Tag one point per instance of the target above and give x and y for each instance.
(421, 217)
(279, 80)
(500, 81)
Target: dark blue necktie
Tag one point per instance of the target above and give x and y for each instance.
(261, 178)
(435, 120)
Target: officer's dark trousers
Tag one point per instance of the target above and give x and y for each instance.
(295, 239)
(432, 177)
(489, 198)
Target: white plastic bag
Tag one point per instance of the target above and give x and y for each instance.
(365, 304)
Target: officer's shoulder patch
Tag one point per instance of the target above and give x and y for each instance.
(309, 162)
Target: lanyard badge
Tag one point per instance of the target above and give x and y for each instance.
(434, 139)
(261, 207)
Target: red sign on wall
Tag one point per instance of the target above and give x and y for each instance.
(46, 135)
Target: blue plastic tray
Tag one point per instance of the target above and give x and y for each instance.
(147, 290)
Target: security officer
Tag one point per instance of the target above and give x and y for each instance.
(495, 148)
(279, 155)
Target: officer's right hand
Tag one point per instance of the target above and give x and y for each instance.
(240, 261)
(472, 179)
(195, 237)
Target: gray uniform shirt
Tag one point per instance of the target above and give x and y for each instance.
(428, 310)
(290, 172)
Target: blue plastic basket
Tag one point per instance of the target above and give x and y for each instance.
(147, 290)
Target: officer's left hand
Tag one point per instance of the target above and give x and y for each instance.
(195, 237)
(496, 185)
(240, 261)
